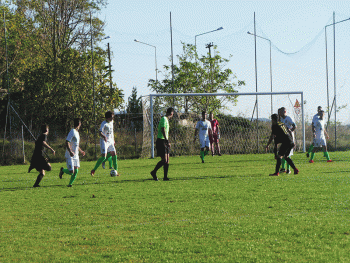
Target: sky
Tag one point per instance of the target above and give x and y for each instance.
(296, 30)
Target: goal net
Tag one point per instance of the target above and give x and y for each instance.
(244, 120)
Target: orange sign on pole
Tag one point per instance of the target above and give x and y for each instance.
(297, 107)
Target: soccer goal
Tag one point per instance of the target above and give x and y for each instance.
(244, 120)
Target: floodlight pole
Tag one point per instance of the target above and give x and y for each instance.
(155, 55)
(93, 82)
(195, 37)
(334, 75)
(270, 66)
(8, 86)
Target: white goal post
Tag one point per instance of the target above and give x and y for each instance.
(150, 112)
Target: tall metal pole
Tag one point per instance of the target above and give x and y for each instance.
(335, 89)
(256, 90)
(172, 58)
(93, 83)
(8, 112)
(155, 55)
(172, 78)
(328, 109)
(270, 65)
(271, 77)
(109, 66)
(334, 100)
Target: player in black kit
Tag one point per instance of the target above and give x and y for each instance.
(281, 135)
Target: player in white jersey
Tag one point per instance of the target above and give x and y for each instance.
(320, 135)
(291, 126)
(107, 143)
(314, 120)
(203, 127)
(72, 153)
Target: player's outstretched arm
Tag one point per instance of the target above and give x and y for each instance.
(81, 151)
(48, 147)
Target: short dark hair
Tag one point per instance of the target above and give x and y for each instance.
(76, 121)
(169, 111)
(44, 128)
(204, 112)
(109, 114)
(274, 117)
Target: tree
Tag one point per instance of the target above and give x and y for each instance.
(51, 61)
(134, 109)
(134, 102)
(206, 74)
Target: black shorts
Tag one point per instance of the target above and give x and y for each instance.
(285, 149)
(39, 163)
(162, 147)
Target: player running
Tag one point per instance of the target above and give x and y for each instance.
(38, 161)
(203, 127)
(72, 153)
(107, 143)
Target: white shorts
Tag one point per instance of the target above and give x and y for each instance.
(107, 147)
(205, 142)
(319, 142)
(71, 163)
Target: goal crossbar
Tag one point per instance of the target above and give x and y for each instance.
(225, 94)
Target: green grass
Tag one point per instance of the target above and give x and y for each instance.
(226, 210)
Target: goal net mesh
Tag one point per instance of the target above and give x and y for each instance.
(244, 121)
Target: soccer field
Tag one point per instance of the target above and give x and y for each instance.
(225, 210)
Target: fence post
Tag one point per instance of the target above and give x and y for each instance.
(24, 155)
(135, 143)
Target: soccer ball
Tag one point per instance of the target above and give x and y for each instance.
(114, 173)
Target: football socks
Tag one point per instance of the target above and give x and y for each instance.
(312, 156)
(99, 161)
(66, 171)
(115, 164)
(310, 149)
(283, 163)
(73, 176)
(326, 154)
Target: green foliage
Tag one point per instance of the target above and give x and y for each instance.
(194, 74)
(134, 102)
(50, 60)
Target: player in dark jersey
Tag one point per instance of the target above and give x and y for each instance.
(38, 161)
(280, 134)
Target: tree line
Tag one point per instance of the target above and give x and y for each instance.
(50, 48)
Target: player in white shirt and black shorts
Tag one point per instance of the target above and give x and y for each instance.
(203, 127)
